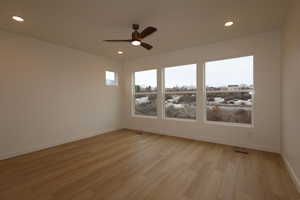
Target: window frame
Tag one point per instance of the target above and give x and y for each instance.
(164, 92)
(116, 81)
(230, 124)
(133, 114)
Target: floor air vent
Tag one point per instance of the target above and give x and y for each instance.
(240, 151)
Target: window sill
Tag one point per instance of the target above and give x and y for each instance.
(179, 119)
(145, 116)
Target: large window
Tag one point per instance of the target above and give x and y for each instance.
(230, 90)
(145, 93)
(180, 87)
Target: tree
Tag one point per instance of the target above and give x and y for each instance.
(137, 88)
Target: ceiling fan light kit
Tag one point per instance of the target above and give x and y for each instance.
(136, 43)
(137, 37)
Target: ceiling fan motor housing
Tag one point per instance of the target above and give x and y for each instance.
(135, 35)
(135, 26)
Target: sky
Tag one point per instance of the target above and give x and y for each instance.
(146, 78)
(110, 75)
(185, 75)
(217, 73)
(234, 71)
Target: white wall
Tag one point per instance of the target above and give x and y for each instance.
(51, 95)
(266, 132)
(291, 91)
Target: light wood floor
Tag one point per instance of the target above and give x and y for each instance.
(124, 165)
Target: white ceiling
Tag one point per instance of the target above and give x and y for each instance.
(83, 24)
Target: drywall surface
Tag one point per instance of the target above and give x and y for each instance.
(290, 91)
(51, 95)
(265, 135)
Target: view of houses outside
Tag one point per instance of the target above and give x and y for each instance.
(229, 90)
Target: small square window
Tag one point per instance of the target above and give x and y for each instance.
(111, 78)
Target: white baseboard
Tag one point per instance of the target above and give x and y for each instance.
(242, 145)
(292, 173)
(53, 144)
(221, 141)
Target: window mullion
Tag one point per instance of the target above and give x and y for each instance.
(181, 92)
(160, 86)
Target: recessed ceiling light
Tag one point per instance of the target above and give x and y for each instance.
(230, 23)
(18, 19)
(136, 43)
(120, 52)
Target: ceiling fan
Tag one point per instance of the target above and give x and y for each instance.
(136, 37)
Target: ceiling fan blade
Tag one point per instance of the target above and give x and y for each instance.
(148, 31)
(117, 40)
(146, 46)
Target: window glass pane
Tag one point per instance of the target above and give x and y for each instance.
(180, 106)
(110, 75)
(233, 107)
(181, 78)
(229, 90)
(236, 73)
(145, 104)
(145, 81)
(110, 78)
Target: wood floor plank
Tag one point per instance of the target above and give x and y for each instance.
(136, 166)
